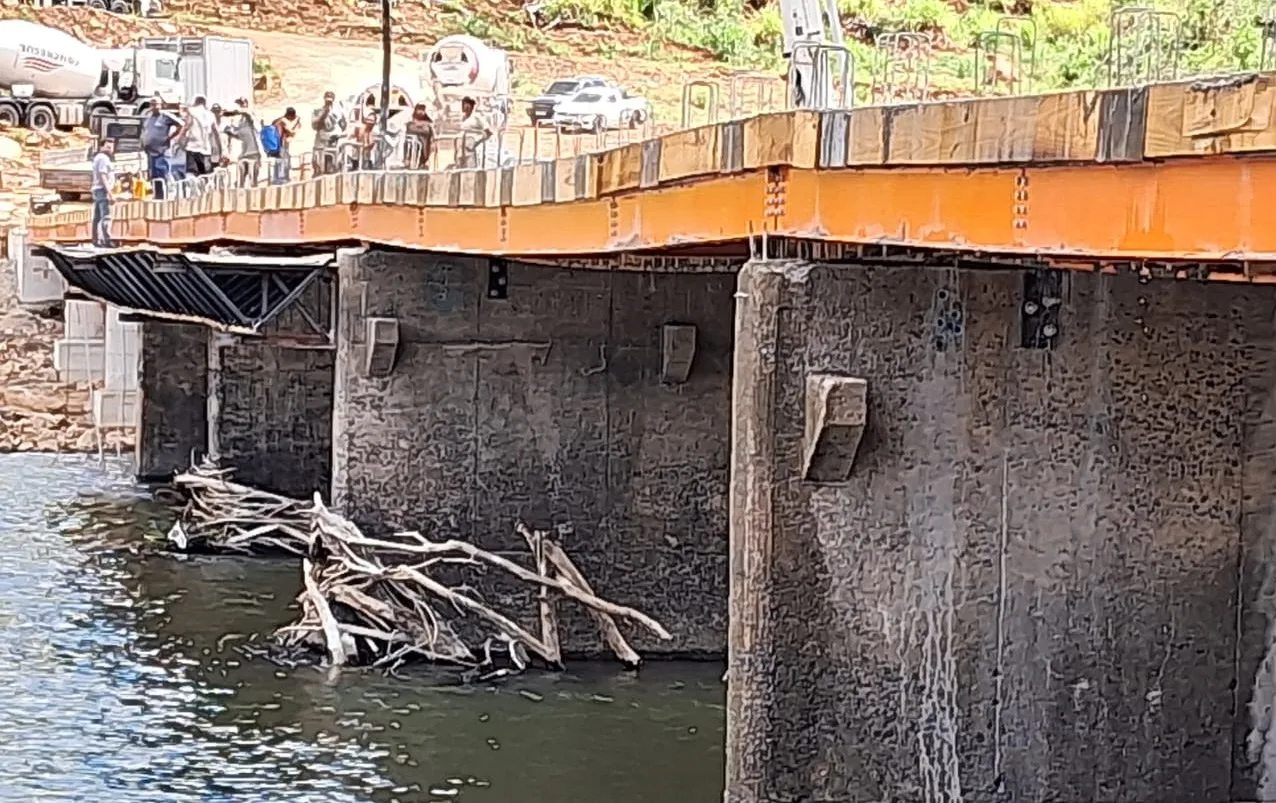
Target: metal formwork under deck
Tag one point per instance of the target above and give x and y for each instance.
(232, 292)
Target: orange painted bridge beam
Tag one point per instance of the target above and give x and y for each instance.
(1174, 172)
(1208, 208)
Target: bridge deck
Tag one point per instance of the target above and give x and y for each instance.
(1134, 173)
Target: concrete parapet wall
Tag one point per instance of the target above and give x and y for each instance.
(547, 405)
(1028, 587)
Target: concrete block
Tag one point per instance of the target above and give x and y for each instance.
(83, 320)
(80, 360)
(677, 352)
(37, 281)
(382, 347)
(115, 408)
(836, 412)
(122, 352)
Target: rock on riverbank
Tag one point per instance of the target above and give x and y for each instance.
(39, 413)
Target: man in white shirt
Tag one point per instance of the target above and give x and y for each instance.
(201, 136)
(103, 193)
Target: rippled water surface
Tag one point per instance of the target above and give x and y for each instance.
(120, 681)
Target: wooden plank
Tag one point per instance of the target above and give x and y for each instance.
(310, 194)
(347, 188)
(565, 179)
(1227, 115)
(1123, 124)
(781, 138)
(390, 193)
(439, 191)
(864, 142)
(329, 190)
(931, 133)
(527, 184)
(1004, 130)
(1220, 108)
(620, 169)
(364, 188)
(490, 187)
(693, 152)
(573, 183)
(416, 188)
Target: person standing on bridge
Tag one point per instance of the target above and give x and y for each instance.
(201, 132)
(286, 127)
(244, 131)
(176, 153)
(474, 133)
(329, 122)
(103, 193)
(158, 131)
(419, 142)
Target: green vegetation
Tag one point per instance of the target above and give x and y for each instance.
(1071, 48)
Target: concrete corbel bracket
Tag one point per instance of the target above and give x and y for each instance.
(836, 413)
(677, 352)
(382, 347)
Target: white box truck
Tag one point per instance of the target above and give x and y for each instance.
(214, 67)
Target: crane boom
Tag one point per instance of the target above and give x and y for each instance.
(815, 49)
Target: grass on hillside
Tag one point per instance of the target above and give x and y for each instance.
(1071, 49)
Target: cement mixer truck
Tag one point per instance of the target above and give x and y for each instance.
(50, 79)
(461, 66)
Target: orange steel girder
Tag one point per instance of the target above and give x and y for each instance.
(1196, 208)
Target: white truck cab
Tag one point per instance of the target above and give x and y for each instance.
(141, 74)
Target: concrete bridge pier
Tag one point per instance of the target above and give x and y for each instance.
(473, 392)
(261, 407)
(1029, 568)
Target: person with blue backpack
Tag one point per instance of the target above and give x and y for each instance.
(276, 140)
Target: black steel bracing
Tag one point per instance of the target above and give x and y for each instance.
(237, 294)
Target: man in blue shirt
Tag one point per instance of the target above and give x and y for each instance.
(103, 193)
(157, 132)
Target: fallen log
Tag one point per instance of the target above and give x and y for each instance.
(382, 601)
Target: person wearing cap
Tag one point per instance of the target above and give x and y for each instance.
(474, 132)
(329, 122)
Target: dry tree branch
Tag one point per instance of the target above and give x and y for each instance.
(377, 601)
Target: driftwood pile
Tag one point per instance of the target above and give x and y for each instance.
(381, 601)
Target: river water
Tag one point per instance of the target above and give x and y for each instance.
(120, 680)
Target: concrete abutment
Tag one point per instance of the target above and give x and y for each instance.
(962, 566)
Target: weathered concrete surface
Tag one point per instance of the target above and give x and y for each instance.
(546, 406)
(1028, 588)
(174, 397)
(264, 410)
(274, 416)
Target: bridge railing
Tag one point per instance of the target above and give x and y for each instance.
(750, 129)
(1144, 46)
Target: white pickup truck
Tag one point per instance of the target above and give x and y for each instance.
(599, 108)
